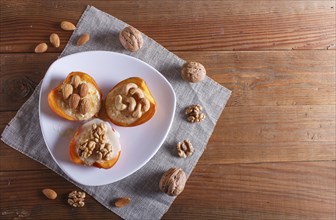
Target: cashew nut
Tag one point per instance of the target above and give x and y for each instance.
(118, 104)
(131, 103)
(137, 113)
(146, 104)
(137, 91)
(129, 86)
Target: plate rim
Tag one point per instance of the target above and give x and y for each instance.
(150, 156)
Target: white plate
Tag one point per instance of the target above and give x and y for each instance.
(139, 144)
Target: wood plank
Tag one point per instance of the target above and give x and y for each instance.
(245, 135)
(270, 134)
(284, 126)
(8, 156)
(282, 107)
(14, 160)
(272, 78)
(182, 25)
(256, 78)
(21, 197)
(252, 191)
(17, 82)
(291, 116)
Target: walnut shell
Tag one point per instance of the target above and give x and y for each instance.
(193, 72)
(173, 181)
(131, 38)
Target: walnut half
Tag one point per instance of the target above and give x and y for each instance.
(184, 148)
(173, 181)
(76, 199)
(194, 113)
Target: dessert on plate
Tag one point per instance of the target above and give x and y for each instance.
(130, 103)
(77, 98)
(95, 143)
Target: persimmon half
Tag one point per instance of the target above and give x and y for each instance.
(95, 143)
(130, 103)
(76, 98)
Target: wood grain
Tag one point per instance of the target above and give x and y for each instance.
(246, 135)
(256, 78)
(297, 125)
(250, 191)
(272, 153)
(17, 82)
(182, 25)
(269, 134)
(9, 156)
(272, 78)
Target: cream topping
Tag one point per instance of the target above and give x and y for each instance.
(86, 133)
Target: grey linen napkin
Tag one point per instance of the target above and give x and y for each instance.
(24, 134)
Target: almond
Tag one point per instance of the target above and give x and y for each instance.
(41, 48)
(75, 81)
(83, 39)
(67, 26)
(55, 40)
(74, 101)
(121, 202)
(84, 106)
(67, 90)
(84, 89)
(49, 193)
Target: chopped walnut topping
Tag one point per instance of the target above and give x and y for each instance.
(76, 199)
(184, 148)
(96, 146)
(194, 113)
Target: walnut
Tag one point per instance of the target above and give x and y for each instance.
(96, 146)
(193, 72)
(184, 148)
(131, 38)
(194, 113)
(76, 199)
(173, 181)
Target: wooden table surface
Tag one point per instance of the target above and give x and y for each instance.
(272, 154)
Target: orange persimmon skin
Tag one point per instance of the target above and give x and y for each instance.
(147, 115)
(74, 157)
(54, 95)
